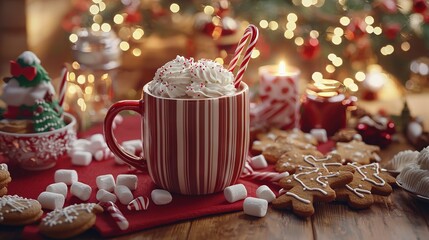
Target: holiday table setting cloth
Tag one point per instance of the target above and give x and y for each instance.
(30, 184)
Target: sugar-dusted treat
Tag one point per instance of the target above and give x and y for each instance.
(305, 188)
(185, 78)
(17, 211)
(358, 151)
(29, 96)
(70, 221)
(367, 180)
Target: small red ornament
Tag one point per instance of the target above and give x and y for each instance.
(310, 49)
(355, 30)
(133, 17)
(392, 30)
(39, 109)
(420, 6)
(376, 130)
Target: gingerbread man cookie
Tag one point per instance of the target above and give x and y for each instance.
(357, 151)
(70, 221)
(5, 179)
(16, 210)
(305, 188)
(367, 180)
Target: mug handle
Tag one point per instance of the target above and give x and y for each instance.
(112, 143)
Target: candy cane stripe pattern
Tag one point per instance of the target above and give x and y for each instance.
(62, 89)
(116, 214)
(248, 172)
(252, 32)
(138, 204)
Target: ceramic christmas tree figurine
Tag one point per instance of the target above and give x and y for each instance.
(29, 95)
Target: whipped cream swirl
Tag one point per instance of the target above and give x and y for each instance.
(184, 78)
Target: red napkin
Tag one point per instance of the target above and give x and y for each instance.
(31, 183)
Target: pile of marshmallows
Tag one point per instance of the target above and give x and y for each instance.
(109, 190)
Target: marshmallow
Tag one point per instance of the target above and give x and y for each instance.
(258, 162)
(161, 197)
(124, 194)
(81, 143)
(320, 134)
(51, 201)
(128, 180)
(81, 190)
(118, 119)
(103, 154)
(119, 161)
(105, 196)
(81, 158)
(235, 192)
(137, 144)
(59, 187)
(129, 149)
(264, 192)
(106, 182)
(255, 207)
(97, 143)
(66, 176)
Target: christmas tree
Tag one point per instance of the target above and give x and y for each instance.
(47, 117)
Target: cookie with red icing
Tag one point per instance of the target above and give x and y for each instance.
(304, 188)
(367, 180)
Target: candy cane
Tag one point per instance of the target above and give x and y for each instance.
(248, 172)
(252, 32)
(116, 214)
(140, 203)
(63, 86)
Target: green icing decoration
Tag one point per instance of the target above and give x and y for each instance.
(41, 75)
(47, 116)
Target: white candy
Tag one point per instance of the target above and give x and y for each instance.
(137, 144)
(258, 162)
(81, 143)
(124, 194)
(66, 176)
(255, 207)
(161, 197)
(59, 187)
(106, 182)
(414, 130)
(128, 180)
(118, 119)
(320, 134)
(105, 196)
(130, 149)
(103, 154)
(97, 143)
(235, 192)
(51, 201)
(81, 190)
(81, 158)
(264, 192)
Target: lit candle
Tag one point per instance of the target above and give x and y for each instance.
(324, 105)
(278, 90)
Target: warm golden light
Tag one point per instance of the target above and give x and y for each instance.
(118, 19)
(174, 8)
(282, 68)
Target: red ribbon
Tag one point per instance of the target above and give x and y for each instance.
(17, 70)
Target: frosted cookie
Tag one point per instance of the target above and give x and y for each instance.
(346, 135)
(16, 210)
(357, 151)
(291, 160)
(367, 180)
(305, 188)
(69, 221)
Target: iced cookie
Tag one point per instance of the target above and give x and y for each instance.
(346, 135)
(69, 221)
(357, 151)
(16, 210)
(4, 179)
(367, 180)
(291, 160)
(305, 188)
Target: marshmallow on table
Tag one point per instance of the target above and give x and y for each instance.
(128, 180)
(106, 182)
(137, 144)
(119, 161)
(59, 187)
(67, 176)
(103, 154)
(129, 149)
(258, 162)
(81, 158)
(81, 190)
(105, 196)
(255, 207)
(81, 143)
(235, 192)
(320, 134)
(51, 200)
(264, 192)
(161, 197)
(97, 143)
(124, 194)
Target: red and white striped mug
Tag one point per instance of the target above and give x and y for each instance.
(191, 146)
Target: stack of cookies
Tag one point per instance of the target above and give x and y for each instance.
(4, 179)
(349, 173)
